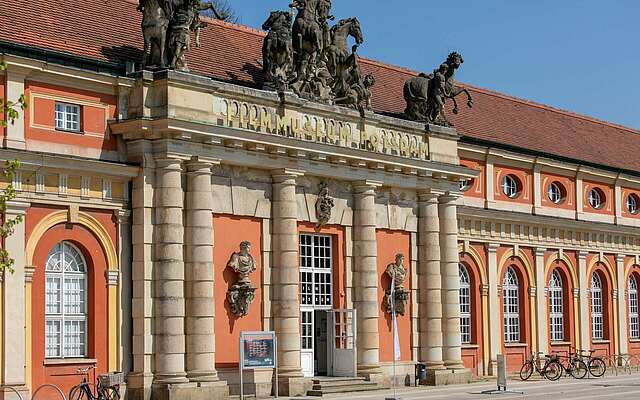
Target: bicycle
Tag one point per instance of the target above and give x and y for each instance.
(549, 370)
(571, 364)
(107, 387)
(595, 365)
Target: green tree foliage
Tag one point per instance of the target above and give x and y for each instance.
(11, 110)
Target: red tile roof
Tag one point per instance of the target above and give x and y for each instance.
(109, 31)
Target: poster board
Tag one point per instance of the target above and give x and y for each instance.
(258, 350)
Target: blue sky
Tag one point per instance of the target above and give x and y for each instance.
(578, 55)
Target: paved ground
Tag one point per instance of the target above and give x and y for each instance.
(611, 387)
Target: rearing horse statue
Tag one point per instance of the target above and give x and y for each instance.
(337, 53)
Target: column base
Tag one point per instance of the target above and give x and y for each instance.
(294, 386)
(445, 377)
(8, 394)
(191, 391)
(138, 386)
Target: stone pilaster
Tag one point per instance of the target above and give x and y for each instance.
(199, 278)
(585, 323)
(123, 219)
(451, 342)
(365, 250)
(168, 275)
(14, 79)
(495, 330)
(622, 306)
(429, 281)
(541, 302)
(13, 331)
(286, 274)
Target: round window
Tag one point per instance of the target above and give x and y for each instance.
(632, 203)
(596, 198)
(510, 186)
(466, 184)
(555, 191)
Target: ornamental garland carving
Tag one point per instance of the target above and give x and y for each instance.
(398, 274)
(242, 293)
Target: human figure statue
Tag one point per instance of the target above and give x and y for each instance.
(438, 95)
(277, 51)
(397, 272)
(324, 206)
(243, 264)
(156, 15)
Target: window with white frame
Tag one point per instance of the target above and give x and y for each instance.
(632, 203)
(67, 117)
(465, 304)
(510, 186)
(597, 331)
(316, 264)
(556, 309)
(511, 306)
(554, 192)
(634, 325)
(65, 302)
(596, 199)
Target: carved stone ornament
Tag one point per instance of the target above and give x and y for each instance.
(313, 59)
(242, 293)
(324, 206)
(398, 274)
(166, 27)
(426, 94)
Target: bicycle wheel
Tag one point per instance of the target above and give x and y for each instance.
(76, 393)
(109, 393)
(597, 367)
(526, 370)
(578, 369)
(553, 371)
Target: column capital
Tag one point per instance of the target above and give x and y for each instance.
(539, 251)
(201, 164)
(363, 186)
(615, 293)
(533, 290)
(620, 258)
(449, 197)
(284, 174)
(484, 290)
(122, 217)
(492, 247)
(112, 276)
(582, 254)
(164, 162)
(17, 207)
(428, 195)
(576, 293)
(28, 274)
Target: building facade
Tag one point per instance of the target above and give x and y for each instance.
(155, 201)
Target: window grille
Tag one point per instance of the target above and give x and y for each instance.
(556, 307)
(634, 325)
(596, 307)
(465, 304)
(511, 306)
(555, 193)
(316, 264)
(67, 117)
(510, 186)
(595, 199)
(65, 302)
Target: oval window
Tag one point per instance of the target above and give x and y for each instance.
(596, 198)
(632, 203)
(555, 192)
(510, 186)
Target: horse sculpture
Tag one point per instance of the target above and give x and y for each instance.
(308, 36)
(277, 50)
(156, 16)
(337, 52)
(419, 94)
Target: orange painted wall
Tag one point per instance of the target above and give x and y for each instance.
(229, 232)
(477, 189)
(339, 279)
(569, 201)
(524, 176)
(625, 212)
(609, 205)
(65, 376)
(389, 244)
(93, 118)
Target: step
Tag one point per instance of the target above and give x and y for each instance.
(364, 387)
(337, 381)
(342, 385)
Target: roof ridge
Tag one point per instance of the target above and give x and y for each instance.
(232, 25)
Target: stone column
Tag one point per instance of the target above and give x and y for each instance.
(365, 250)
(286, 273)
(585, 323)
(494, 307)
(199, 278)
(123, 218)
(168, 275)
(451, 342)
(13, 331)
(429, 281)
(541, 301)
(622, 306)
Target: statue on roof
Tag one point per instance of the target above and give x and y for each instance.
(277, 51)
(426, 95)
(166, 27)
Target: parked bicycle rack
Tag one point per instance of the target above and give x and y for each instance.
(48, 385)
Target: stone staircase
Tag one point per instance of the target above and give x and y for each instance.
(322, 386)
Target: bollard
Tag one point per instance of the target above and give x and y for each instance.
(420, 373)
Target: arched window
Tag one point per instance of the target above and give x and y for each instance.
(634, 327)
(556, 312)
(65, 302)
(596, 307)
(511, 306)
(465, 304)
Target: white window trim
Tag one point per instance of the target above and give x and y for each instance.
(510, 186)
(595, 199)
(634, 319)
(62, 317)
(465, 305)
(554, 190)
(597, 306)
(65, 120)
(511, 308)
(632, 204)
(556, 308)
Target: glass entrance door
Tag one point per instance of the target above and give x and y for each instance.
(316, 297)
